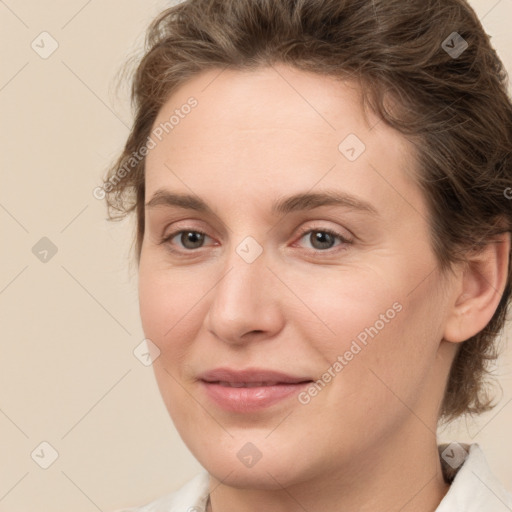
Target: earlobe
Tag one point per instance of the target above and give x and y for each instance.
(482, 281)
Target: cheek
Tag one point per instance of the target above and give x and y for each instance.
(168, 301)
(391, 358)
(382, 339)
(351, 303)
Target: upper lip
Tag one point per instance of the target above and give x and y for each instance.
(250, 375)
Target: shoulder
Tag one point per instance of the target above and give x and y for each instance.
(474, 487)
(191, 497)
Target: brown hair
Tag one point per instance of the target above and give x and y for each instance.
(453, 107)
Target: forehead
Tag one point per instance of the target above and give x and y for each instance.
(275, 128)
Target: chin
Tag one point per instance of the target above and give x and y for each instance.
(263, 476)
(229, 462)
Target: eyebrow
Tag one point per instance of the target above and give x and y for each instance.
(297, 202)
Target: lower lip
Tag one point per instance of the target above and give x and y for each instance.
(250, 399)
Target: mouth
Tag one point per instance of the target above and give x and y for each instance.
(250, 390)
(251, 376)
(253, 384)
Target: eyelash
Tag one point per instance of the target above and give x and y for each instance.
(344, 241)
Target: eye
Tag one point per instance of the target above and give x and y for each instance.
(189, 239)
(322, 239)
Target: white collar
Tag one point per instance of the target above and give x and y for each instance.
(475, 488)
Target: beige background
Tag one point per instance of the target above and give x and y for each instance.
(68, 375)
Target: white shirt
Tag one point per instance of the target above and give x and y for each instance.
(473, 489)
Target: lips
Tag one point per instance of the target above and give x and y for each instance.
(250, 377)
(251, 389)
(247, 384)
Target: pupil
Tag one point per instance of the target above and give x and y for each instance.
(320, 236)
(194, 238)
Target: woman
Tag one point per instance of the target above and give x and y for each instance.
(323, 246)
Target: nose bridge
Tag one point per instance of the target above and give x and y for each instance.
(245, 276)
(241, 300)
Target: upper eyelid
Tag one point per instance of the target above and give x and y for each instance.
(201, 229)
(301, 229)
(336, 231)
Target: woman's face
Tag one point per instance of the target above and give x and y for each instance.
(256, 275)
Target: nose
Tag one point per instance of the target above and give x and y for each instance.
(246, 302)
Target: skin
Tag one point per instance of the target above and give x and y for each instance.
(367, 440)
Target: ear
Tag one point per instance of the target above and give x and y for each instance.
(482, 281)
